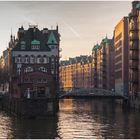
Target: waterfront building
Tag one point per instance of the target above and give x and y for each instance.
(33, 69)
(34, 62)
(66, 82)
(103, 65)
(121, 56)
(134, 48)
(94, 66)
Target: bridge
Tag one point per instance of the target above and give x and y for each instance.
(90, 93)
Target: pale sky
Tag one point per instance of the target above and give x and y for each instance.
(81, 24)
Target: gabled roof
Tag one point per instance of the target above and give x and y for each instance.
(138, 6)
(97, 46)
(34, 36)
(105, 40)
(52, 39)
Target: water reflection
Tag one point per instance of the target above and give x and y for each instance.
(38, 129)
(98, 119)
(5, 123)
(76, 119)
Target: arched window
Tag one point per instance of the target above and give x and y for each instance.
(38, 59)
(23, 45)
(18, 59)
(45, 59)
(26, 59)
(32, 59)
(41, 59)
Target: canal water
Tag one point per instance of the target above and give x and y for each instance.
(79, 119)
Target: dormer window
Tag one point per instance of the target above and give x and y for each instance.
(35, 45)
(22, 44)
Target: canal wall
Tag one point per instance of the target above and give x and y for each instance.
(30, 108)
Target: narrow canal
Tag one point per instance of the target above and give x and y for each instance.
(80, 118)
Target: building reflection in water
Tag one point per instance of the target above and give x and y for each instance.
(78, 118)
(35, 129)
(14, 128)
(98, 119)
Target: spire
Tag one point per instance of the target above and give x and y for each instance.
(22, 26)
(57, 27)
(106, 36)
(11, 34)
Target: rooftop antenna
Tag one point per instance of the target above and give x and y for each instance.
(106, 35)
(11, 33)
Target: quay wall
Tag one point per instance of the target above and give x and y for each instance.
(30, 108)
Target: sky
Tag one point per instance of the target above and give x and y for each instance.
(81, 23)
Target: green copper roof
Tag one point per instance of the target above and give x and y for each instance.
(138, 6)
(105, 40)
(52, 39)
(97, 46)
(35, 42)
(93, 49)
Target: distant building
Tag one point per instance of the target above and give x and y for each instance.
(75, 73)
(121, 56)
(103, 65)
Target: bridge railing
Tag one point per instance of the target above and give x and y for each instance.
(92, 91)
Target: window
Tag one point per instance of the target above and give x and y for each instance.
(52, 71)
(38, 59)
(41, 60)
(22, 44)
(53, 65)
(26, 60)
(32, 59)
(27, 80)
(18, 59)
(45, 59)
(52, 59)
(43, 69)
(35, 45)
(28, 69)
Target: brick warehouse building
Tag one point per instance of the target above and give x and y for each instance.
(96, 71)
(34, 68)
(103, 65)
(75, 73)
